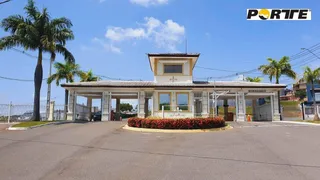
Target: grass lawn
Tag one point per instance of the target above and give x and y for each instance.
(31, 123)
(310, 121)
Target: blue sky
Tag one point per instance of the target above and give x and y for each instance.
(112, 38)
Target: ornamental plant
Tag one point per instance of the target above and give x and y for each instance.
(179, 123)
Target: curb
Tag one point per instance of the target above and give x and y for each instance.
(126, 127)
(302, 123)
(31, 127)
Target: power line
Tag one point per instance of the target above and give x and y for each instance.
(16, 79)
(27, 54)
(5, 1)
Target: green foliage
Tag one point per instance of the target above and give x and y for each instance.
(125, 107)
(301, 94)
(37, 32)
(166, 106)
(253, 79)
(88, 77)
(65, 71)
(311, 76)
(289, 103)
(31, 123)
(275, 69)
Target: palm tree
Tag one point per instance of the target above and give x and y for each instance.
(312, 77)
(55, 42)
(65, 72)
(275, 69)
(253, 79)
(37, 32)
(88, 76)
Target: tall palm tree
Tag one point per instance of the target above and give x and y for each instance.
(55, 43)
(37, 32)
(66, 72)
(253, 79)
(312, 76)
(88, 76)
(275, 69)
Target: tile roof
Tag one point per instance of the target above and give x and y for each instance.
(195, 84)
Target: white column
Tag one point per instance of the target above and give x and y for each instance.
(152, 105)
(51, 111)
(254, 106)
(274, 101)
(205, 104)
(71, 115)
(241, 103)
(191, 103)
(106, 105)
(141, 102)
(89, 105)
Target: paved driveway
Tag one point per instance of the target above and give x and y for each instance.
(105, 151)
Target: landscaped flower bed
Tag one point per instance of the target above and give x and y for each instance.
(181, 123)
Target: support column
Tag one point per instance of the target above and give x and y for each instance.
(118, 105)
(71, 115)
(89, 105)
(51, 111)
(146, 107)
(241, 103)
(106, 105)
(191, 103)
(205, 104)
(141, 104)
(254, 106)
(275, 107)
(225, 105)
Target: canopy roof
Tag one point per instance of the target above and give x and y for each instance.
(194, 84)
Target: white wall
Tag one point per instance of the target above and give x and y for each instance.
(161, 77)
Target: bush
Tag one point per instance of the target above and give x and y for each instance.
(182, 123)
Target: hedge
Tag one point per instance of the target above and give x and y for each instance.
(181, 123)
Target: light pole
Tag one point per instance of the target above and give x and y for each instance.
(310, 52)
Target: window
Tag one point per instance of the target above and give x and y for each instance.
(183, 101)
(317, 96)
(164, 100)
(177, 68)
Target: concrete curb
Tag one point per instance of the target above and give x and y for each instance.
(126, 127)
(302, 123)
(31, 127)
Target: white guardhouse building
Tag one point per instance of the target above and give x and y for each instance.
(173, 93)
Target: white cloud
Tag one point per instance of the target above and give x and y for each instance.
(107, 46)
(147, 3)
(165, 35)
(120, 34)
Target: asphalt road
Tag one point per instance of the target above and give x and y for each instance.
(104, 151)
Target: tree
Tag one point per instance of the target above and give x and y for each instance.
(58, 33)
(301, 94)
(275, 69)
(253, 79)
(312, 76)
(125, 107)
(37, 32)
(88, 77)
(65, 72)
